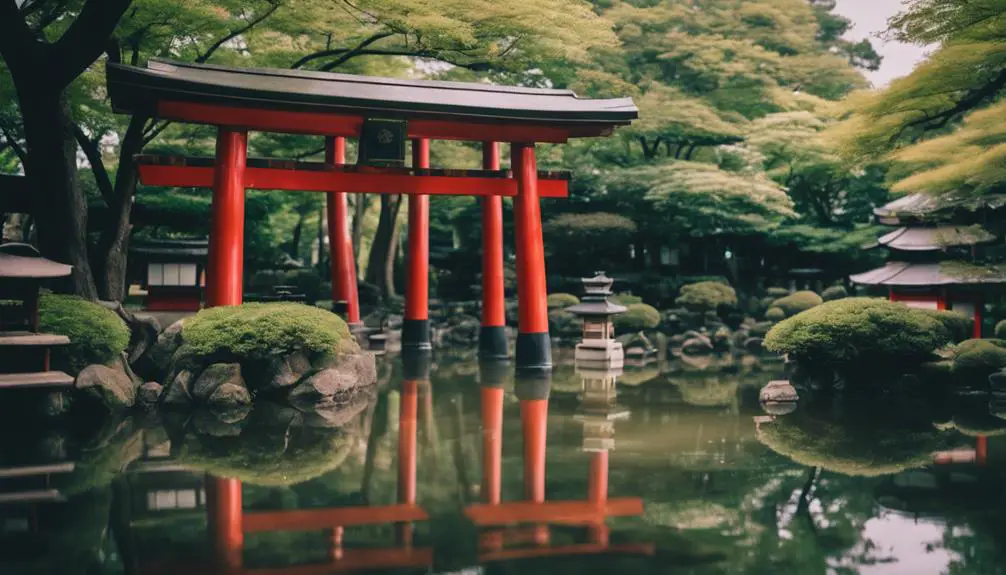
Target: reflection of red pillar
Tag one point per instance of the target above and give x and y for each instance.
(407, 416)
(225, 281)
(492, 335)
(533, 346)
(533, 416)
(982, 450)
(597, 493)
(224, 506)
(492, 443)
(416, 324)
(339, 245)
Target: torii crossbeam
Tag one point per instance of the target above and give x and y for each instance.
(339, 106)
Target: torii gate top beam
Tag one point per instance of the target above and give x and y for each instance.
(335, 104)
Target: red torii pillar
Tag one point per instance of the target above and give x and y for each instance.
(343, 266)
(416, 323)
(225, 276)
(492, 335)
(407, 428)
(225, 521)
(534, 348)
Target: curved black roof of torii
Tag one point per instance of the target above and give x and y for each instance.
(135, 89)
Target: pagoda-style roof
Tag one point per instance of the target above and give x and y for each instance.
(598, 306)
(920, 207)
(171, 248)
(142, 90)
(935, 238)
(909, 274)
(26, 267)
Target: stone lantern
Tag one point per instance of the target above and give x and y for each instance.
(595, 311)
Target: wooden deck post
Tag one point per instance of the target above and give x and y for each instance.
(534, 350)
(492, 334)
(416, 323)
(225, 277)
(344, 287)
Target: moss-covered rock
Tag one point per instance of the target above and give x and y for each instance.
(707, 295)
(97, 335)
(774, 314)
(798, 302)
(561, 300)
(834, 292)
(263, 330)
(979, 357)
(637, 316)
(860, 329)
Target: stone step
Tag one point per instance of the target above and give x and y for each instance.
(35, 379)
(29, 470)
(29, 339)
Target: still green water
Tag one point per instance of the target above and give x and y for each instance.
(670, 469)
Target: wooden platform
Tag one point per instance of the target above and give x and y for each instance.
(36, 379)
(29, 339)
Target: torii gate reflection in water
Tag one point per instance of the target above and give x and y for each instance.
(338, 106)
(502, 537)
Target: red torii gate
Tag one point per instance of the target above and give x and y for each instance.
(338, 106)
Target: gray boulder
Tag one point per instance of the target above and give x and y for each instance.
(778, 391)
(344, 376)
(229, 395)
(332, 416)
(109, 387)
(179, 389)
(215, 376)
(149, 394)
(282, 372)
(165, 347)
(211, 423)
(699, 345)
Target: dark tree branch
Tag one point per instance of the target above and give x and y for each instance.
(235, 33)
(153, 131)
(20, 152)
(17, 41)
(85, 40)
(93, 154)
(969, 101)
(326, 53)
(473, 66)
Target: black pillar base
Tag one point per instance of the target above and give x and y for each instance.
(416, 335)
(534, 351)
(494, 372)
(532, 384)
(493, 343)
(416, 365)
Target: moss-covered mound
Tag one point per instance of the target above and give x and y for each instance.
(979, 357)
(798, 302)
(707, 295)
(856, 329)
(834, 292)
(856, 448)
(96, 334)
(637, 316)
(774, 314)
(561, 300)
(260, 330)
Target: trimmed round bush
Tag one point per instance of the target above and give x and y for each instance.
(260, 330)
(97, 334)
(638, 316)
(775, 314)
(980, 356)
(563, 323)
(760, 329)
(707, 295)
(1000, 331)
(959, 324)
(855, 329)
(626, 299)
(776, 292)
(798, 302)
(834, 292)
(561, 300)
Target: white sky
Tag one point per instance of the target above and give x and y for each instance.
(870, 17)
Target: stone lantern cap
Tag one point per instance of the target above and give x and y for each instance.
(600, 284)
(595, 302)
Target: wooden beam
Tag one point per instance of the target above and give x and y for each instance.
(348, 126)
(313, 519)
(332, 179)
(554, 512)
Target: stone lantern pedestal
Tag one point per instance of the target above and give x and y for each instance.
(598, 345)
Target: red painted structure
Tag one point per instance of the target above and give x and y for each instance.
(336, 106)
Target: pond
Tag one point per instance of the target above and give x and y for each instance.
(669, 468)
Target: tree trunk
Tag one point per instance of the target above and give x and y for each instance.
(114, 241)
(59, 203)
(381, 264)
(359, 212)
(294, 250)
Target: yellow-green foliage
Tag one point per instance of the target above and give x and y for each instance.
(707, 295)
(853, 449)
(97, 334)
(760, 329)
(1000, 331)
(777, 292)
(638, 316)
(980, 356)
(853, 329)
(834, 292)
(626, 299)
(257, 330)
(797, 302)
(561, 300)
(774, 314)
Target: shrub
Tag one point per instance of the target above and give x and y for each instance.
(760, 329)
(259, 330)
(980, 356)
(97, 334)
(307, 282)
(775, 314)
(776, 292)
(626, 299)
(959, 324)
(368, 293)
(834, 292)
(798, 302)
(707, 295)
(561, 300)
(638, 316)
(1000, 331)
(563, 323)
(853, 329)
